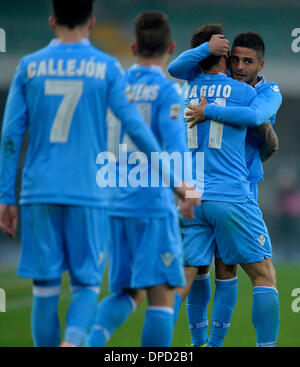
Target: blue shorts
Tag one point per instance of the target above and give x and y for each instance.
(145, 252)
(236, 232)
(56, 238)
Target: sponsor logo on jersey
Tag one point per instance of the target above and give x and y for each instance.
(275, 88)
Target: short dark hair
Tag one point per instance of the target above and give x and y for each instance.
(72, 13)
(252, 40)
(152, 33)
(202, 35)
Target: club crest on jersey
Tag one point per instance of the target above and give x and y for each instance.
(275, 88)
(174, 111)
(167, 259)
(262, 239)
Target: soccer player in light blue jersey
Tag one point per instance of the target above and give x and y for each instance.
(146, 250)
(61, 94)
(246, 62)
(263, 107)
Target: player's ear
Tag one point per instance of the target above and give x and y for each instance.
(261, 65)
(133, 48)
(92, 23)
(172, 47)
(52, 22)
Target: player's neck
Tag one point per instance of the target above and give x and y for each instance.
(158, 61)
(221, 67)
(254, 82)
(76, 35)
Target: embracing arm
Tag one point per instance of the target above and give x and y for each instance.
(185, 66)
(269, 144)
(262, 108)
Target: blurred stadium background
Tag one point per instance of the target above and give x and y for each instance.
(26, 27)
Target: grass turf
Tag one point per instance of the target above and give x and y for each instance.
(15, 322)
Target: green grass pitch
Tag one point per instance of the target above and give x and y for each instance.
(15, 322)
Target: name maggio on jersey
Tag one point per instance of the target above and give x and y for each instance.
(72, 67)
(213, 90)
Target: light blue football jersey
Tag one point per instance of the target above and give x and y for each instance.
(219, 163)
(159, 101)
(253, 140)
(61, 93)
(263, 108)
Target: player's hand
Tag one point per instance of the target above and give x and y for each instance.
(8, 219)
(218, 45)
(189, 197)
(195, 112)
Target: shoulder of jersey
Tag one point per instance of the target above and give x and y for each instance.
(105, 57)
(274, 86)
(92, 52)
(102, 54)
(177, 87)
(172, 89)
(243, 85)
(167, 85)
(172, 86)
(35, 54)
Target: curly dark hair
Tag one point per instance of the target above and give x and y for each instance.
(202, 35)
(252, 40)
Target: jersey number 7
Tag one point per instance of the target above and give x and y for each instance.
(72, 91)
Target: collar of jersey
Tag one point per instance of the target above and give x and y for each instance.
(57, 43)
(210, 76)
(155, 68)
(261, 81)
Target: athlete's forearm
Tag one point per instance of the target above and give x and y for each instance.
(262, 108)
(186, 64)
(239, 116)
(269, 144)
(9, 159)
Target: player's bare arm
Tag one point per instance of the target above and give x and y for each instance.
(195, 113)
(8, 219)
(269, 145)
(218, 45)
(189, 197)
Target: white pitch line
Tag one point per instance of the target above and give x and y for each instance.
(26, 302)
